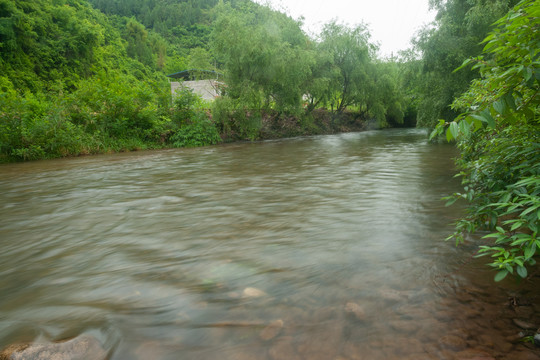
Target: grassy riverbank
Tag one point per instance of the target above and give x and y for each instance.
(42, 129)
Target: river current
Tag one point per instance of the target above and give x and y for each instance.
(325, 247)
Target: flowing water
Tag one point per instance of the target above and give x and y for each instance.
(325, 247)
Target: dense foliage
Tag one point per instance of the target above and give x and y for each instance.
(77, 79)
(69, 86)
(456, 35)
(499, 138)
(272, 67)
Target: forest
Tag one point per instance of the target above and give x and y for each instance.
(89, 76)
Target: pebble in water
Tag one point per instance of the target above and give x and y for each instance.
(272, 330)
(537, 340)
(356, 310)
(83, 347)
(251, 292)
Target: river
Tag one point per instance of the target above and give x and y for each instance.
(325, 247)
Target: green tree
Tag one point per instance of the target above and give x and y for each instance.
(199, 59)
(138, 44)
(383, 97)
(351, 55)
(265, 60)
(459, 28)
(499, 137)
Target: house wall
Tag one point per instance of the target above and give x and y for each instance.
(207, 89)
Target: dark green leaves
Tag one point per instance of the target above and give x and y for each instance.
(499, 138)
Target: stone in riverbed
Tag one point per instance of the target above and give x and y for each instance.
(453, 342)
(251, 292)
(523, 324)
(84, 347)
(537, 340)
(356, 310)
(272, 330)
(392, 295)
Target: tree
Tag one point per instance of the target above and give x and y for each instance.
(199, 59)
(499, 137)
(350, 54)
(459, 28)
(264, 57)
(138, 45)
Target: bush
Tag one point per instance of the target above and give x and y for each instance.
(235, 121)
(199, 131)
(115, 104)
(499, 138)
(35, 127)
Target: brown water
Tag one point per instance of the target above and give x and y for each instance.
(325, 247)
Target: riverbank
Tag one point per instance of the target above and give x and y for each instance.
(200, 129)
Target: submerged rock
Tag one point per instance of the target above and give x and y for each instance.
(272, 330)
(523, 324)
(356, 310)
(537, 340)
(84, 347)
(393, 295)
(453, 342)
(251, 292)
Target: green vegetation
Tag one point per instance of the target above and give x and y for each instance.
(84, 77)
(498, 134)
(460, 27)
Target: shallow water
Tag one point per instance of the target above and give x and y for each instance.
(325, 247)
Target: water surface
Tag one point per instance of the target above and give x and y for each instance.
(325, 247)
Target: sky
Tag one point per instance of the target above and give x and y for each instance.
(392, 23)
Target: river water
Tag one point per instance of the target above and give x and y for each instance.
(327, 247)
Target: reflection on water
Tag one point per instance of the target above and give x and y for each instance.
(313, 248)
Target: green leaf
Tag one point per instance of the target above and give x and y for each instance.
(465, 63)
(529, 252)
(522, 271)
(448, 135)
(500, 106)
(510, 101)
(530, 209)
(479, 117)
(489, 119)
(516, 225)
(527, 73)
(501, 275)
(454, 129)
(464, 127)
(438, 130)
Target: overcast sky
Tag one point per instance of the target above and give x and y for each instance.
(392, 23)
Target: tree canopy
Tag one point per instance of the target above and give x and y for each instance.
(456, 35)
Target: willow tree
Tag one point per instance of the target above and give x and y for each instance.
(350, 53)
(265, 61)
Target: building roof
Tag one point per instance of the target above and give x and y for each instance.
(186, 74)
